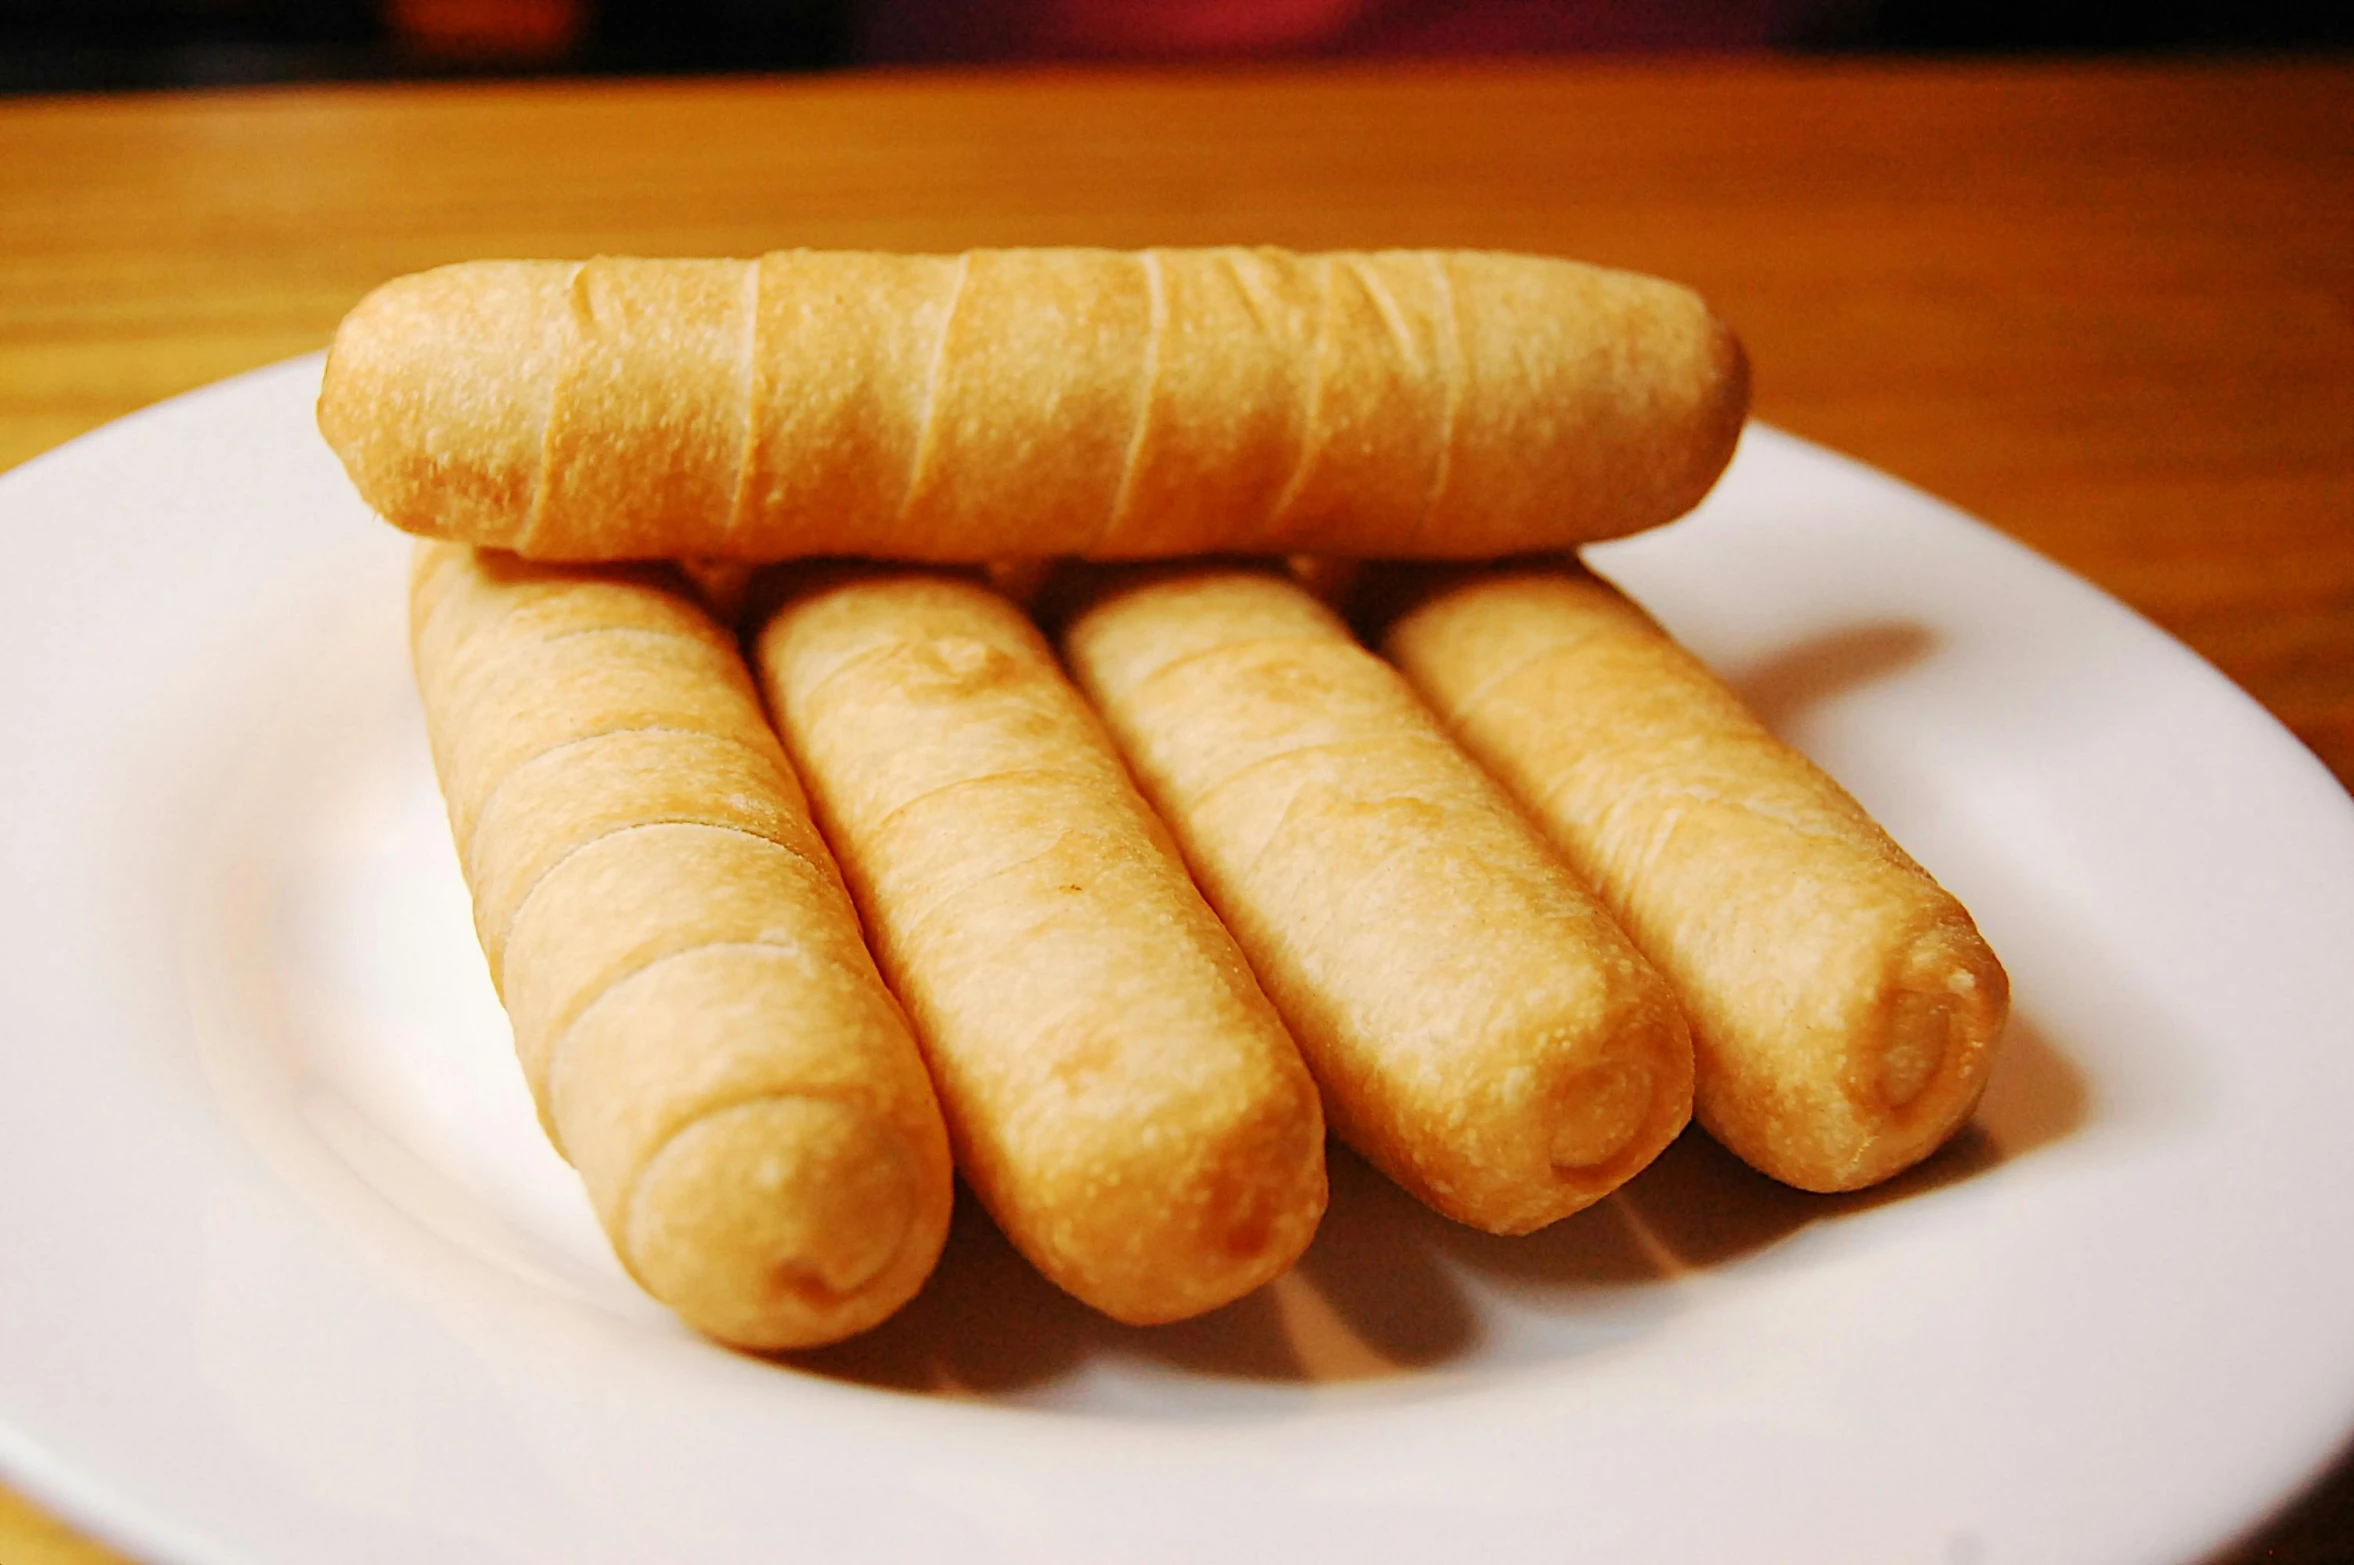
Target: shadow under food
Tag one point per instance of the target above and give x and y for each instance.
(1704, 1207)
(1825, 666)
(1369, 1300)
(985, 1323)
(2034, 1096)
(1380, 1293)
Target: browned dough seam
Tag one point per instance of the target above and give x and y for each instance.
(609, 833)
(919, 457)
(1451, 402)
(467, 853)
(1311, 401)
(899, 810)
(740, 506)
(1184, 659)
(576, 349)
(1157, 306)
(1383, 742)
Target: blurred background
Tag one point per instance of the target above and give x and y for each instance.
(86, 45)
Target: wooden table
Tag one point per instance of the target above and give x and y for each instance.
(2109, 309)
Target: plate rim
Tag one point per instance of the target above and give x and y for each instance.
(118, 1518)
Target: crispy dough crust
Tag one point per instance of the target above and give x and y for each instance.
(1122, 1096)
(1441, 403)
(1844, 1008)
(1482, 1029)
(703, 1030)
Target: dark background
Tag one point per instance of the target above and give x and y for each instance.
(85, 45)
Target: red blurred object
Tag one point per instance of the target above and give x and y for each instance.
(485, 32)
(939, 30)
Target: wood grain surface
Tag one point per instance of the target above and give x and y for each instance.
(2109, 309)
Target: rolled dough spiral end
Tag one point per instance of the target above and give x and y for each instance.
(782, 1222)
(437, 395)
(1252, 1204)
(1942, 1015)
(1619, 1114)
(1602, 1124)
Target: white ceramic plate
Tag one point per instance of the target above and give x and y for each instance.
(288, 1275)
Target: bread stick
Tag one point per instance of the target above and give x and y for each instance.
(1454, 404)
(1481, 1028)
(1843, 1006)
(1120, 1093)
(703, 1030)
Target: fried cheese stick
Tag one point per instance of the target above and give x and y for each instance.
(1480, 1026)
(1844, 1008)
(706, 1037)
(1009, 402)
(1121, 1095)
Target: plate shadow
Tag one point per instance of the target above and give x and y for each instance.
(1825, 666)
